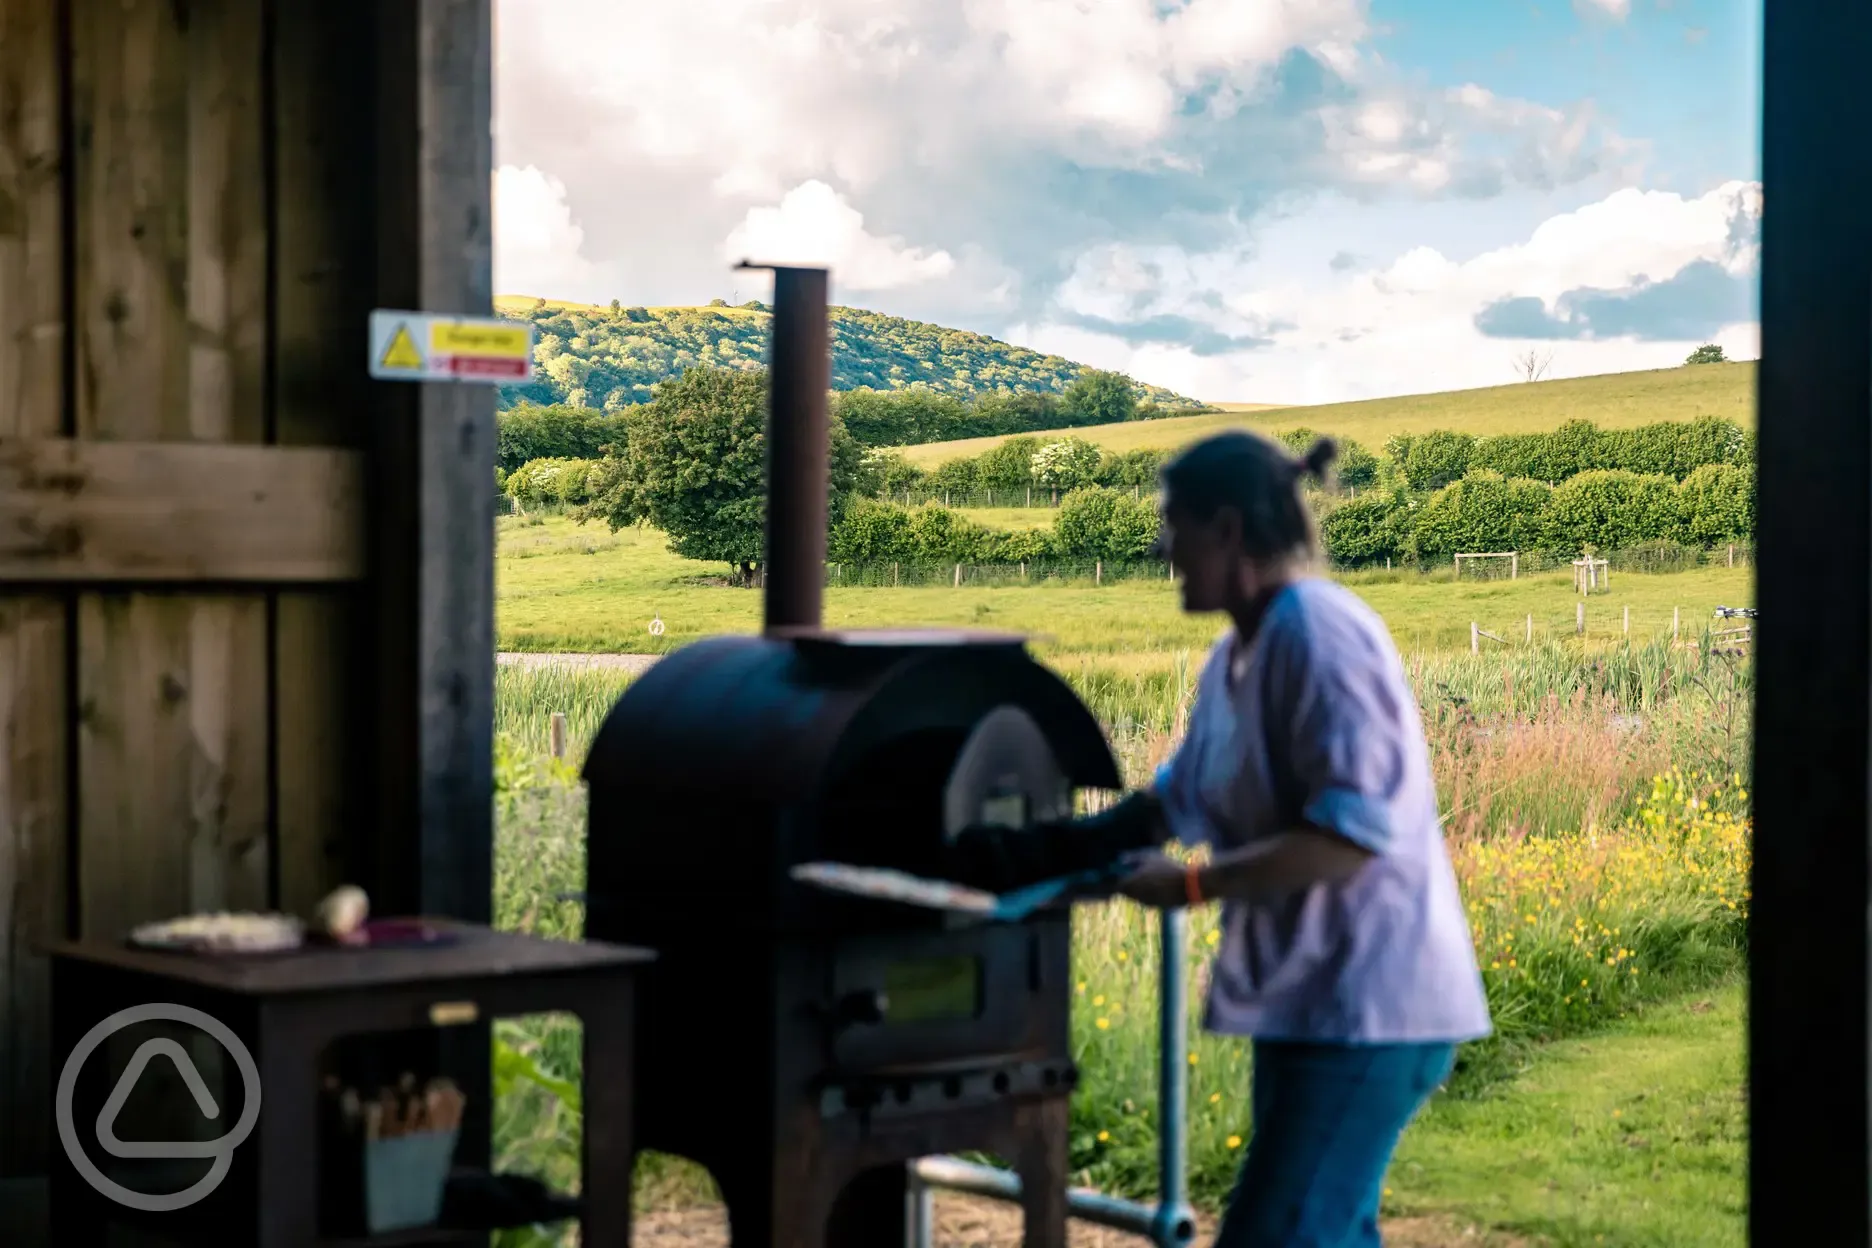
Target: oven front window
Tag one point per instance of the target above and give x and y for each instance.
(928, 990)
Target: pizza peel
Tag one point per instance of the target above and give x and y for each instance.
(884, 884)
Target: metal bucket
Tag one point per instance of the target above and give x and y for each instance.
(404, 1179)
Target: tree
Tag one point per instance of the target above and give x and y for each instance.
(1708, 353)
(1096, 397)
(693, 464)
(1531, 364)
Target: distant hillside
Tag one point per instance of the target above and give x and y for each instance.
(607, 357)
(1610, 401)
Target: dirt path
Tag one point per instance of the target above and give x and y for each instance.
(970, 1222)
(635, 664)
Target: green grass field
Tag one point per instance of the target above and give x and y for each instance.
(1634, 1137)
(1613, 401)
(580, 588)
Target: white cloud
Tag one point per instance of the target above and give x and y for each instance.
(1408, 326)
(814, 225)
(537, 243)
(1008, 134)
(1617, 10)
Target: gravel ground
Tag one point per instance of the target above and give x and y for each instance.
(970, 1222)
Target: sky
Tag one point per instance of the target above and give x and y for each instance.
(1257, 201)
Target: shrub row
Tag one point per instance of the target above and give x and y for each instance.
(1601, 510)
(562, 480)
(1092, 522)
(1068, 463)
(1484, 511)
(1673, 449)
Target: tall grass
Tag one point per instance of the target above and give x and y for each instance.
(1594, 815)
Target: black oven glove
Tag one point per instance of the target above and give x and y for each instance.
(1001, 859)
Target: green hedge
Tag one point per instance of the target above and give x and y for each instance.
(1673, 449)
(1486, 511)
(1483, 511)
(540, 482)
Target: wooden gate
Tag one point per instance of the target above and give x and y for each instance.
(245, 591)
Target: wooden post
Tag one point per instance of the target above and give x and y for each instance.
(1514, 566)
(1475, 643)
(558, 734)
(1732, 554)
(1030, 496)
(1387, 563)
(1023, 569)
(991, 498)
(1628, 620)
(1579, 618)
(958, 576)
(894, 580)
(1674, 620)
(1098, 572)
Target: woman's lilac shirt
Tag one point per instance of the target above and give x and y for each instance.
(1320, 728)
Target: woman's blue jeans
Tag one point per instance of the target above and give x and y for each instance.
(1326, 1120)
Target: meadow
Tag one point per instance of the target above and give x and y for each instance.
(1614, 401)
(1592, 797)
(1599, 878)
(568, 587)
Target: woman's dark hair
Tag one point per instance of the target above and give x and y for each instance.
(1261, 480)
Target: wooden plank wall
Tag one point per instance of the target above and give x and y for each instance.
(34, 628)
(188, 254)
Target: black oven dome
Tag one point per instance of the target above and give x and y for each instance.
(782, 718)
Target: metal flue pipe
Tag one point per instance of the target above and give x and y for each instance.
(799, 374)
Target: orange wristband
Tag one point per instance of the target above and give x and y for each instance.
(1192, 886)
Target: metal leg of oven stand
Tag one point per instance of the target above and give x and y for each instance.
(920, 1219)
(1175, 1222)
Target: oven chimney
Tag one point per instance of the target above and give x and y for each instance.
(798, 377)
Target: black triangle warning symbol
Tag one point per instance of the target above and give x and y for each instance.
(402, 352)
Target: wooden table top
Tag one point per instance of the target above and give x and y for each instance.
(473, 952)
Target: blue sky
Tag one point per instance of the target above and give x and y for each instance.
(1253, 200)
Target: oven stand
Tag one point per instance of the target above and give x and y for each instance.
(1170, 1223)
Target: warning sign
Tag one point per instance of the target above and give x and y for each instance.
(424, 346)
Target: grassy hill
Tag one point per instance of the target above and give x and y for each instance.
(1612, 401)
(604, 356)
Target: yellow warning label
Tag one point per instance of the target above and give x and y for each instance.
(459, 339)
(402, 352)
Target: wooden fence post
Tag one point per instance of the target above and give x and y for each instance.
(1674, 621)
(894, 580)
(1098, 572)
(1628, 619)
(1475, 642)
(1579, 618)
(958, 578)
(1030, 496)
(558, 734)
(1023, 569)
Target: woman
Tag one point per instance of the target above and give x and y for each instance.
(1345, 953)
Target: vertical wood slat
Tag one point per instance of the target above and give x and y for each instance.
(324, 244)
(169, 304)
(170, 298)
(34, 808)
